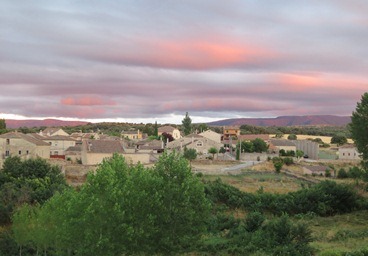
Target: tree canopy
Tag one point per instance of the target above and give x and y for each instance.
(359, 127)
(30, 181)
(187, 124)
(122, 210)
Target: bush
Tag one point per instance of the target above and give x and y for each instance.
(288, 161)
(342, 174)
(355, 173)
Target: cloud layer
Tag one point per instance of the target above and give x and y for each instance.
(147, 60)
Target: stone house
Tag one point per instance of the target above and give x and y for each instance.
(278, 144)
(94, 151)
(316, 170)
(132, 135)
(170, 130)
(199, 143)
(230, 131)
(22, 145)
(209, 134)
(52, 131)
(348, 152)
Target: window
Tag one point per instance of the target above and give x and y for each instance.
(56, 153)
(199, 144)
(27, 152)
(7, 153)
(19, 152)
(7, 141)
(343, 154)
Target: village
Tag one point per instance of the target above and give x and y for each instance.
(78, 153)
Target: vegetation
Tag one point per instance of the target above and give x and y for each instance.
(213, 151)
(358, 128)
(121, 209)
(31, 181)
(292, 137)
(339, 140)
(2, 126)
(190, 154)
(187, 124)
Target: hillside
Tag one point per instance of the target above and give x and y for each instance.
(327, 120)
(13, 124)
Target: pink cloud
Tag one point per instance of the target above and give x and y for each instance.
(182, 54)
(87, 101)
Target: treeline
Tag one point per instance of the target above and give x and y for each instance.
(306, 130)
(324, 199)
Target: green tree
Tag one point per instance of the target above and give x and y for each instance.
(125, 210)
(359, 127)
(2, 126)
(213, 151)
(29, 181)
(190, 154)
(202, 127)
(339, 140)
(278, 162)
(187, 124)
(155, 133)
(259, 145)
(292, 137)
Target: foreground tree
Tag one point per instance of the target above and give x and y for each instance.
(123, 210)
(187, 124)
(30, 181)
(359, 127)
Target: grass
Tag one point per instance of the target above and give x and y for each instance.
(252, 181)
(340, 233)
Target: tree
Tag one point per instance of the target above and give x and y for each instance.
(167, 137)
(359, 127)
(202, 127)
(187, 124)
(259, 145)
(124, 209)
(31, 181)
(213, 151)
(277, 163)
(339, 140)
(2, 126)
(155, 132)
(292, 137)
(190, 154)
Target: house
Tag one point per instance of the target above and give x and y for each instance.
(250, 137)
(94, 151)
(153, 146)
(278, 144)
(230, 131)
(170, 130)
(199, 143)
(52, 131)
(80, 136)
(316, 170)
(74, 153)
(348, 152)
(58, 145)
(132, 135)
(22, 145)
(209, 134)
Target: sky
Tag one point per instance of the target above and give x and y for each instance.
(146, 61)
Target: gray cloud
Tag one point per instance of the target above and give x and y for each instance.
(144, 59)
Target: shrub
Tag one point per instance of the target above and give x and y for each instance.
(342, 174)
(288, 161)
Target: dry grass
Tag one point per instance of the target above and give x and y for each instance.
(325, 139)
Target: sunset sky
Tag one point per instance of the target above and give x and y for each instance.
(142, 61)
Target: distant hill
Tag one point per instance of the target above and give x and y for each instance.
(327, 120)
(13, 124)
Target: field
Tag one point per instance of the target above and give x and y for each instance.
(331, 235)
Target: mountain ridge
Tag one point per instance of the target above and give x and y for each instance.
(327, 120)
(14, 124)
